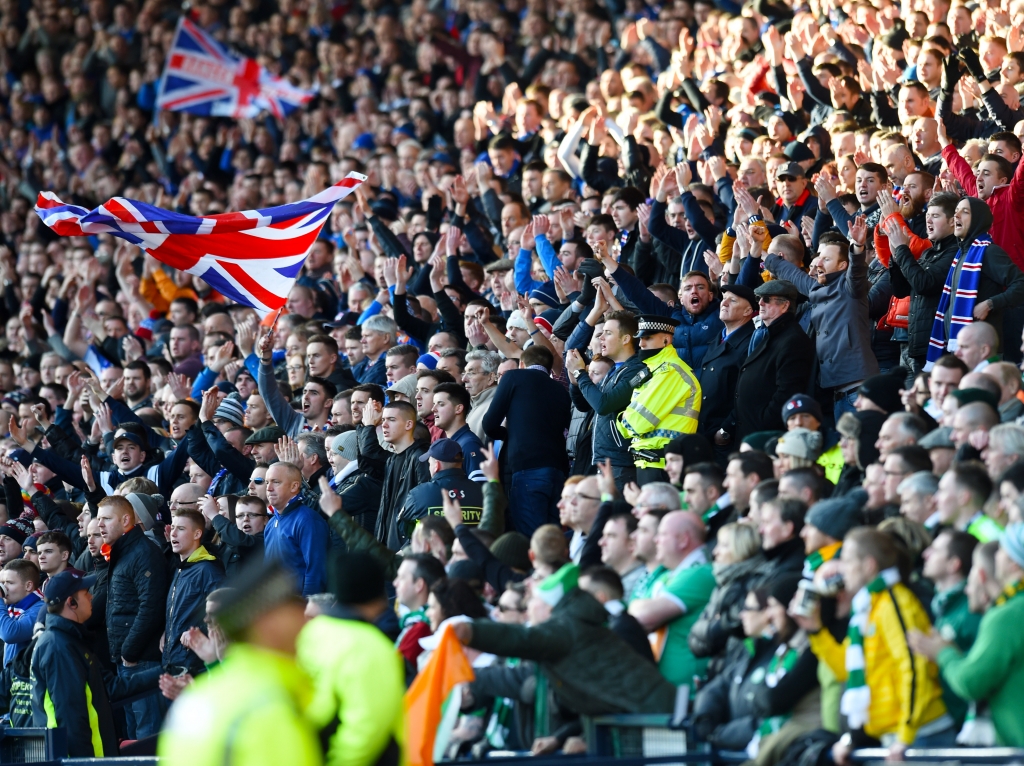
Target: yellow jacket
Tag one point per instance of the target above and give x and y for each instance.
(905, 691)
(663, 407)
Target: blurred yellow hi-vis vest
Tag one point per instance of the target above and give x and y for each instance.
(665, 405)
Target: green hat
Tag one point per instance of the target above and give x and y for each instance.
(557, 585)
(267, 434)
(970, 395)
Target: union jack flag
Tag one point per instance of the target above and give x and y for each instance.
(251, 257)
(203, 77)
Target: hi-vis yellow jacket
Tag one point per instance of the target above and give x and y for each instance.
(665, 405)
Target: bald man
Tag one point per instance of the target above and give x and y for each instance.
(1011, 404)
(296, 535)
(678, 600)
(970, 419)
(925, 135)
(899, 161)
(977, 346)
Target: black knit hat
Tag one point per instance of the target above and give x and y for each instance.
(693, 447)
(357, 578)
(513, 550)
(884, 390)
(838, 515)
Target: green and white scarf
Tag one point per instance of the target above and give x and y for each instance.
(857, 697)
(813, 562)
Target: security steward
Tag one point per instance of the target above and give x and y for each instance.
(666, 399)
(249, 710)
(69, 689)
(447, 475)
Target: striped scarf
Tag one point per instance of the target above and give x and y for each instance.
(857, 697)
(32, 598)
(813, 562)
(963, 302)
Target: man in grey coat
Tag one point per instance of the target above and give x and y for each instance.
(838, 296)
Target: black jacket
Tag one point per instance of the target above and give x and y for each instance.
(212, 452)
(592, 670)
(922, 280)
(540, 408)
(402, 472)
(427, 500)
(136, 593)
(728, 711)
(778, 368)
(193, 581)
(237, 548)
(66, 672)
(784, 558)
(720, 620)
(360, 495)
(608, 399)
(718, 374)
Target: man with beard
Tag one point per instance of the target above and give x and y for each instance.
(136, 379)
(921, 275)
(838, 295)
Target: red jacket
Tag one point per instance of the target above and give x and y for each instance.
(1006, 204)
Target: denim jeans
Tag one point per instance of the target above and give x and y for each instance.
(845, 404)
(533, 498)
(143, 717)
(944, 738)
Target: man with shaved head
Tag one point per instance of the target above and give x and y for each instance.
(296, 535)
(678, 600)
(977, 346)
(971, 418)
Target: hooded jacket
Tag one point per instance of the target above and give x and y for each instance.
(1006, 205)
(922, 279)
(1002, 282)
(593, 671)
(197, 576)
(136, 594)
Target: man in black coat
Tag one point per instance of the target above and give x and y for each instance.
(445, 461)
(69, 688)
(778, 365)
(534, 451)
(136, 594)
(720, 368)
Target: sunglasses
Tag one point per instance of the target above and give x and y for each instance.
(257, 481)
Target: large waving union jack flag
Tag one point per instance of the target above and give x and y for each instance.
(252, 257)
(203, 77)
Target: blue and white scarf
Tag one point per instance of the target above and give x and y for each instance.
(963, 302)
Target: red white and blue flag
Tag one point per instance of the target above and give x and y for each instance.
(203, 77)
(251, 257)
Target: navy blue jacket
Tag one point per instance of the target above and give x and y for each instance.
(297, 536)
(693, 336)
(426, 500)
(186, 607)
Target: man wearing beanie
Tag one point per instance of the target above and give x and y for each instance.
(358, 677)
(594, 670)
(825, 526)
(993, 670)
(881, 393)
(12, 538)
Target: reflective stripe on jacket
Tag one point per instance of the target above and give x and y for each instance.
(663, 407)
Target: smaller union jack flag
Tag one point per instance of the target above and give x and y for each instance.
(203, 77)
(252, 257)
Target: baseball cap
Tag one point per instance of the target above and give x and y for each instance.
(134, 438)
(63, 586)
(791, 170)
(445, 450)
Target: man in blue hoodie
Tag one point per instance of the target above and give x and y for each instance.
(19, 581)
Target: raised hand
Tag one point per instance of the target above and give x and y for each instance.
(287, 451)
(209, 405)
(489, 466)
(825, 188)
(330, 501)
(527, 241)
(459, 191)
(22, 475)
(541, 225)
(683, 175)
(39, 413)
(219, 356)
(265, 346)
(105, 419)
(87, 475)
(451, 240)
(896, 233)
(181, 386)
(859, 231)
(452, 510)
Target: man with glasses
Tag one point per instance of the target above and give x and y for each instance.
(778, 365)
(581, 512)
(901, 463)
(258, 482)
(243, 540)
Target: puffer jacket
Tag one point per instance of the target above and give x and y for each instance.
(195, 579)
(136, 594)
(720, 621)
(695, 333)
(922, 279)
(593, 671)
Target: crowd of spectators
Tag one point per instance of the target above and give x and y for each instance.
(663, 346)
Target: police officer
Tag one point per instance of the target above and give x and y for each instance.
(666, 399)
(68, 684)
(249, 710)
(448, 475)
